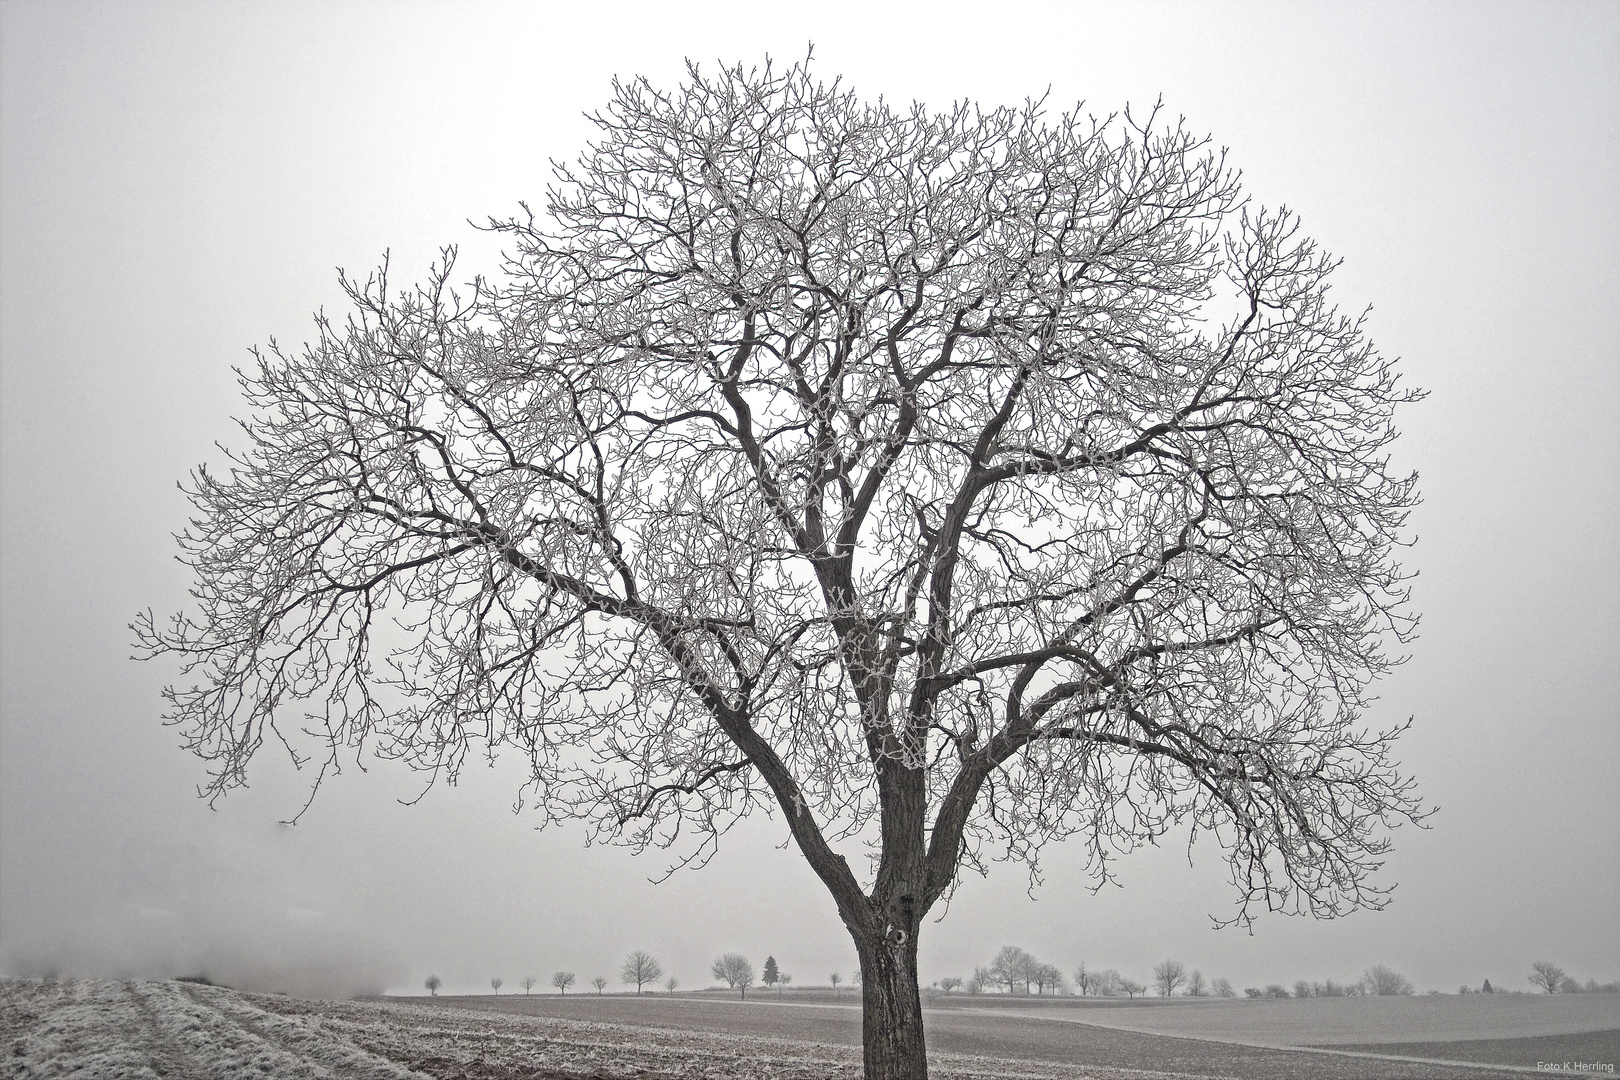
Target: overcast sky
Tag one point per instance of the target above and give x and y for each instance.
(181, 181)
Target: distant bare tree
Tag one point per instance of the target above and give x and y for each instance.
(981, 979)
(1169, 975)
(600, 982)
(497, 983)
(1302, 989)
(1047, 977)
(1223, 988)
(1085, 982)
(1012, 966)
(1195, 985)
(1547, 975)
(835, 979)
(641, 968)
(786, 980)
(562, 980)
(671, 983)
(528, 983)
(433, 985)
(1107, 983)
(949, 983)
(1379, 979)
(735, 971)
(1132, 987)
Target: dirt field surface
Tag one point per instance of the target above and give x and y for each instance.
(1344, 1020)
(107, 1030)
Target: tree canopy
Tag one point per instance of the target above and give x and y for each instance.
(959, 480)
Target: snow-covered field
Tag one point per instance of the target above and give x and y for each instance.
(110, 1030)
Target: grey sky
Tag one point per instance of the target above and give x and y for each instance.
(180, 181)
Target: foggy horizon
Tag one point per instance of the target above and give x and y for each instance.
(179, 183)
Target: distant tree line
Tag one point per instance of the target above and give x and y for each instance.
(1552, 979)
(1014, 970)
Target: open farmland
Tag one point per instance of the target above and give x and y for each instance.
(1332, 1021)
(104, 1029)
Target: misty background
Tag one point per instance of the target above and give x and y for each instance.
(180, 181)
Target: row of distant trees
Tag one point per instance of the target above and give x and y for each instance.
(643, 969)
(640, 968)
(1548, 976)
(1019, 971)
(1377, 980)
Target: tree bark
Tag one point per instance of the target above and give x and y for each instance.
(891, 1014)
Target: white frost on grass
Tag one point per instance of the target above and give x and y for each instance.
(81, 1030)
(108, 1030)
(100, 1028)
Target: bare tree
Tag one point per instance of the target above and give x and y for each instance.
(1084, 981)
(1011, 966)
(671, 983)
(1379, 979)
(1547, 975)
(497, 983)
(950, 983)
(981, 978)
(1131, 987)
(1302, 988)
(990, 476)
(562, 980)
(735, 971)
(528, 983)
(641, 968)
(1195, 985)
(1169, 975)
(600, 982)
(433, 983)
(786, 981)
(1108, 982)
(1223, 988)
(835, 979)
(1047, 976)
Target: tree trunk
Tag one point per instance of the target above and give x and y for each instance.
(891, 1014)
